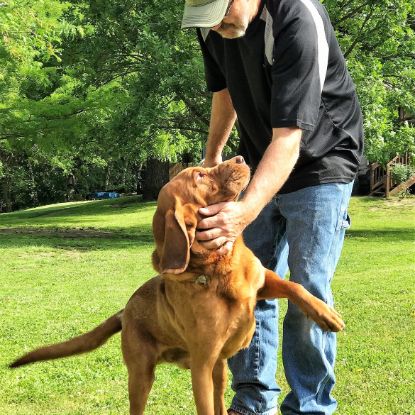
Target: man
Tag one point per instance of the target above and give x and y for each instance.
(276, 66)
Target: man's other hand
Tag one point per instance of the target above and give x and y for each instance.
(222, 224)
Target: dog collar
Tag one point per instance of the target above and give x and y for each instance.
(202, 280)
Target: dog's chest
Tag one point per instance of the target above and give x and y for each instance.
(196, 316)
(205, 305)
(241, 329)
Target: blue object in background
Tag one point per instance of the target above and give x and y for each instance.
(105, 195)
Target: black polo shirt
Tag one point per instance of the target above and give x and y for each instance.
(288, 71)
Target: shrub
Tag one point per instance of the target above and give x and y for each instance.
(402, 172)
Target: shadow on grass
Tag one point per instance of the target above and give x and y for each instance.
(93, 239)
(72, 238)
(78, 209)
(388, 235)
(66, 226)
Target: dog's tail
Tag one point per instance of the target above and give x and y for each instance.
(80, 344)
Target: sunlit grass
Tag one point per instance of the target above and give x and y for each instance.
(65, 268)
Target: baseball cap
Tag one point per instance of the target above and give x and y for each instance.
(203, 13)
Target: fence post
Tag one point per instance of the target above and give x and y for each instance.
(372, 177)
(387, 180)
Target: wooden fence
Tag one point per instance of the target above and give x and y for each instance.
(381, 178)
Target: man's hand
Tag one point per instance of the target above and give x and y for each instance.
(224, 223)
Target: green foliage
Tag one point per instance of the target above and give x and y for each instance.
(378, 40)
(114, 83)
(402, 172)
(31, 36)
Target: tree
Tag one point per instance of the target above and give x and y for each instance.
(93, 90)
(378, 41)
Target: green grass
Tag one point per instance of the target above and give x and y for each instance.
(64, 268)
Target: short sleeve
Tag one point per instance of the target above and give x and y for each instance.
(298, 69)
(214, 77)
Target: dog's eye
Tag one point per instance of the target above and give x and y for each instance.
(200, 176)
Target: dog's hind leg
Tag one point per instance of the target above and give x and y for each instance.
(140, 381)
(202, 382)
(140, 358)
(219, 385)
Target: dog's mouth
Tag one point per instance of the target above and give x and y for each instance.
(240, 192)
(237, 187)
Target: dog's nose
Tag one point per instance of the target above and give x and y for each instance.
(239, 160)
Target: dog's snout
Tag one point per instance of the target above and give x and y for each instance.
(239, 160)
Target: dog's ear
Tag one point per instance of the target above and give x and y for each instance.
(179, 233)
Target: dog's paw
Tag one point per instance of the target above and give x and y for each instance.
(324, 315)
(328, 318)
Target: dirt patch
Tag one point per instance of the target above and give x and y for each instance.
(404, 201)
(62, 232)
(395, 202)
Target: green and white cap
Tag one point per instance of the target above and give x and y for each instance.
(203, 13)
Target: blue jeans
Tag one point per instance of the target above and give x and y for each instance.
(302, 231)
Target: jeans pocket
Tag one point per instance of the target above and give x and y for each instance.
(343, 221)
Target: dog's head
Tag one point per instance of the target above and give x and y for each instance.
(176, 217)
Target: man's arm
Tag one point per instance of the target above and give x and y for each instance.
(273, 170)
(222, 119)
(227, 220)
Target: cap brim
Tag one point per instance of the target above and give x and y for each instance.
(209, 15)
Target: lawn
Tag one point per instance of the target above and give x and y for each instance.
(65, 268)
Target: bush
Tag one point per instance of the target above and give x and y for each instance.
(401, 172)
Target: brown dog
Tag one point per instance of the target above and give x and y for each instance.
(200, 310)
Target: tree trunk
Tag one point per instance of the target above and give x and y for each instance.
(139, 177)
(124, 176)
(5, 200)
(70, 189)
(33, 191)
(156, 175)
(107, 178)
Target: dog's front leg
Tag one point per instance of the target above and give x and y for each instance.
(202, 384)
(219, 385)
(275, 287)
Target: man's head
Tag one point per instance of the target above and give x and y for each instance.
(230, 18)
